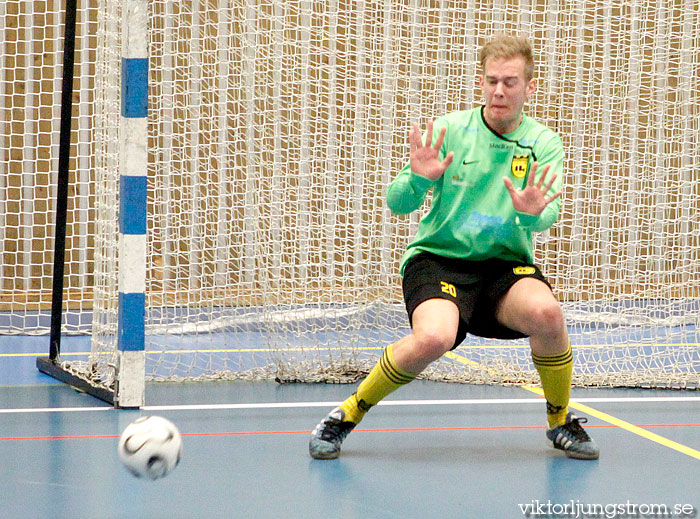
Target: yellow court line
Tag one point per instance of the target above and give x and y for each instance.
(580, 346)
(178, 352)
(594, 412)
(625, 425)
(364, 348)
(452, 355)
(43, 354)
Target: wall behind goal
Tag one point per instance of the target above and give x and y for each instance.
(276, 125)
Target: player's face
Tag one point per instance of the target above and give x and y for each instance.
(505, 89)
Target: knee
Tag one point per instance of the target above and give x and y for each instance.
(546, 319)
(431, 344)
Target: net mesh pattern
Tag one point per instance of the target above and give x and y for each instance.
(274, 129)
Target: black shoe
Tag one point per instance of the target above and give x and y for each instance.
(328, 435)
(573, 440)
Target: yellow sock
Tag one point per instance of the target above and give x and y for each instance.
(385, 378)
(555, 373)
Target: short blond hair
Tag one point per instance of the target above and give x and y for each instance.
(505, 46)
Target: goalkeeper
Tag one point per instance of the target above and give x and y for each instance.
(496, 178)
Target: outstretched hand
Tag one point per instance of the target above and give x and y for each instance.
(425, 159)
(532, 199)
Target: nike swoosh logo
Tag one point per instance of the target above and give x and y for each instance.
(465, 162)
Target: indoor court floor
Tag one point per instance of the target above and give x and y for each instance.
(430, 450)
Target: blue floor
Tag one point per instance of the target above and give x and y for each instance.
(484, 456)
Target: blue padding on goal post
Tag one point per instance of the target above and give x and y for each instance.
(132, 310)
(134, 87)
(132, 204)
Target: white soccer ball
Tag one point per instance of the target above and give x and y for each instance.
(150, 447)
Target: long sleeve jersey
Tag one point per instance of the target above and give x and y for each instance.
(471, 214)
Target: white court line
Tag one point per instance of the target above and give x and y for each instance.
(283, 405)
(473, 401)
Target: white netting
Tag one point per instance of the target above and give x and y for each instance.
(31, 35)
(275, 127)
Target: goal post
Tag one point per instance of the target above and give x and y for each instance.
(126, 386)
(130, 370)
(273, 130)
(51, 364)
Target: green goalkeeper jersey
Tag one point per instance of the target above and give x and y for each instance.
(471, 214)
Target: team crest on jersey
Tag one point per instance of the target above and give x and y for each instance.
(519, 165)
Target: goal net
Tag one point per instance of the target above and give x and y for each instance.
(274, 127)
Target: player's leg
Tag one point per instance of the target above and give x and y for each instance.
(435, 323)
(530, 308)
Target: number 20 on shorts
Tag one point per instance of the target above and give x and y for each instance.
(448, 288)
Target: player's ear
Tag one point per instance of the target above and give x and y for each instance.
(531, 87)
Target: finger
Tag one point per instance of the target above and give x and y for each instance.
(509, 186)
(418, 136)
(448, 160)
(412, 137)
(550, 183)
(540, 182)
(429, 135)
(415, 137)
(552, 198)
(533, 172)
(441, 137)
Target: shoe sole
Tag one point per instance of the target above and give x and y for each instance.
(331, 456)
(573, 454)
(324, 455)
(581, 455)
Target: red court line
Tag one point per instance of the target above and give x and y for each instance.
(403, 429)
(82, 437)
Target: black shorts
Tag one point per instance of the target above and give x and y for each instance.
(476, 287)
